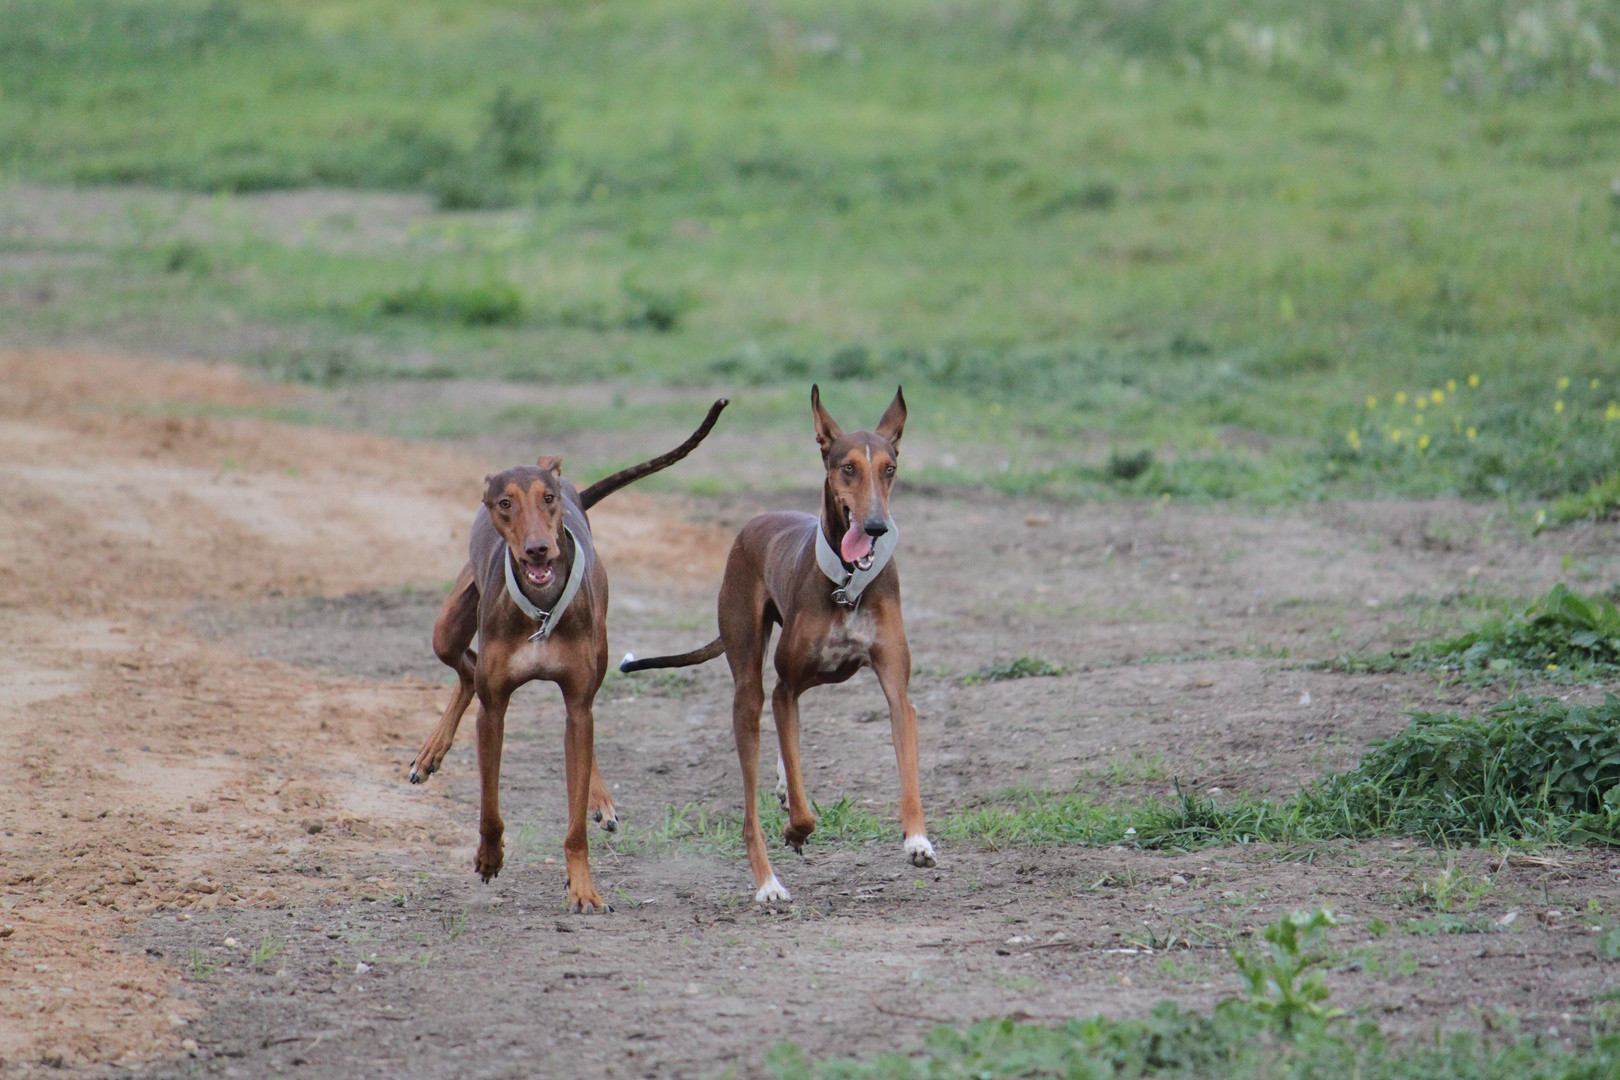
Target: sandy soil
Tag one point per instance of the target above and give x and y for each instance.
(215, 672)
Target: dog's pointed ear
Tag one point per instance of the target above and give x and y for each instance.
(488, 496)
(894, 418)
(827, 428)
(552, 465)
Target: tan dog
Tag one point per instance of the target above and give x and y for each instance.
(535, 593)
(831, 585)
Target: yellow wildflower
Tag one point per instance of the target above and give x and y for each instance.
(1423, 442)
(1354, 439)
(1395, 436)
(1400, 398)
(1473, 380)
(1422, 402)
(1613, 411)
(1563, 382)
(1558, 406)
(1594, 384)
(1437, 397)
(1451, 384)
(1472, 433)
(1372, 402)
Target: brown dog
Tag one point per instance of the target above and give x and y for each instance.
(536, 594)
(832, 587)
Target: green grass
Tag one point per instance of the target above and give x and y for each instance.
(1109, 247)
(1025, 667)
(1529, 770)
(1281, 1028)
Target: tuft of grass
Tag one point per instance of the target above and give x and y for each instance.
(1559, 630)
(268, 948)
(1282, 1028)
(1025, 667)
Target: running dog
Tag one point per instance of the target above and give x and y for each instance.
(535, 593)
(832, 585)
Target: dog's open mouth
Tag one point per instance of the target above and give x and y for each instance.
(856, 546)
(537, 574)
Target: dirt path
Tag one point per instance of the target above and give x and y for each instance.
(214, 635)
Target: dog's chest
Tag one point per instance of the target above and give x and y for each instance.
(848, 640)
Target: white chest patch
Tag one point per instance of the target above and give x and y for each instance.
(849, 640)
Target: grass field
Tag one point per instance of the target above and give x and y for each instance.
(1179, 248)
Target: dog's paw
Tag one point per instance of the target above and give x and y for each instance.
(606, 816)
(920, 851)
(586, 901)
(773, 892)
(489, 860)
(420, 773)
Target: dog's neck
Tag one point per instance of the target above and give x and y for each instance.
(833, 525)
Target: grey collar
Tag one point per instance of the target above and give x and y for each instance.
(852, 583)
(547, 619)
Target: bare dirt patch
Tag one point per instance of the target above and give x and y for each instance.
(216, 671)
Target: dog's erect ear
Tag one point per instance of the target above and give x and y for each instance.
(552, 465)
(827, 428)
(894, 418)
(489, 496)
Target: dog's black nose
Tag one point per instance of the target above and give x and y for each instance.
(876, 528)
(537, 552)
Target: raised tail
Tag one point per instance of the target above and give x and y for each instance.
(685, 659)
(609, 484)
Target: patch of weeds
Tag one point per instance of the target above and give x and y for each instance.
(1449, 924)
(268, 948)
(1452, 885)
(492, 303)
(1600, 502)
(454, 923)
(199, 966)
(1559, 630)
(1025, 667)
(1139, 768)
(1282, 1028)
(656, 308)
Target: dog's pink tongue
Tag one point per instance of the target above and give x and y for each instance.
(856, 546)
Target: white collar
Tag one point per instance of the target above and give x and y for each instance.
(547, 619)
(852, 583)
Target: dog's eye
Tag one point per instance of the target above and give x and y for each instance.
(849, 468)
(889, 471)
(550, 499)
(505, 504)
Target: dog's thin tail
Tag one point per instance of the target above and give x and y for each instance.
(685, 659)
(609, 484)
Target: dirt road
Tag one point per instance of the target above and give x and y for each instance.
(215, 672)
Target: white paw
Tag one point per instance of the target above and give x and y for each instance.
(773, 892)
(920, 851)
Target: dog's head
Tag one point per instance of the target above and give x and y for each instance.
(860, 471)
(526, 505)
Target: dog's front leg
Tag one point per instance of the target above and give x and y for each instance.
(801, 821)
(492, 703)
(891, 659)
(579, 755)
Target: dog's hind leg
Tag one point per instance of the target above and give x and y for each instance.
(781, 780)
(748, 675)
(453, 633)
(601, 804)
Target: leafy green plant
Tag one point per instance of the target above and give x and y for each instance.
(199, 966)
(1025, 667)
(454, 923)
(492, 303)
(1282, 1029)
(1285, 982)
(1600, 502)
(1560, 629)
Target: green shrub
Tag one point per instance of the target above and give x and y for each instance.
(1560, 629)
(1025, 667)
(490, 304)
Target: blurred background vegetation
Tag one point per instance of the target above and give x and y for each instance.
(1192, 248)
